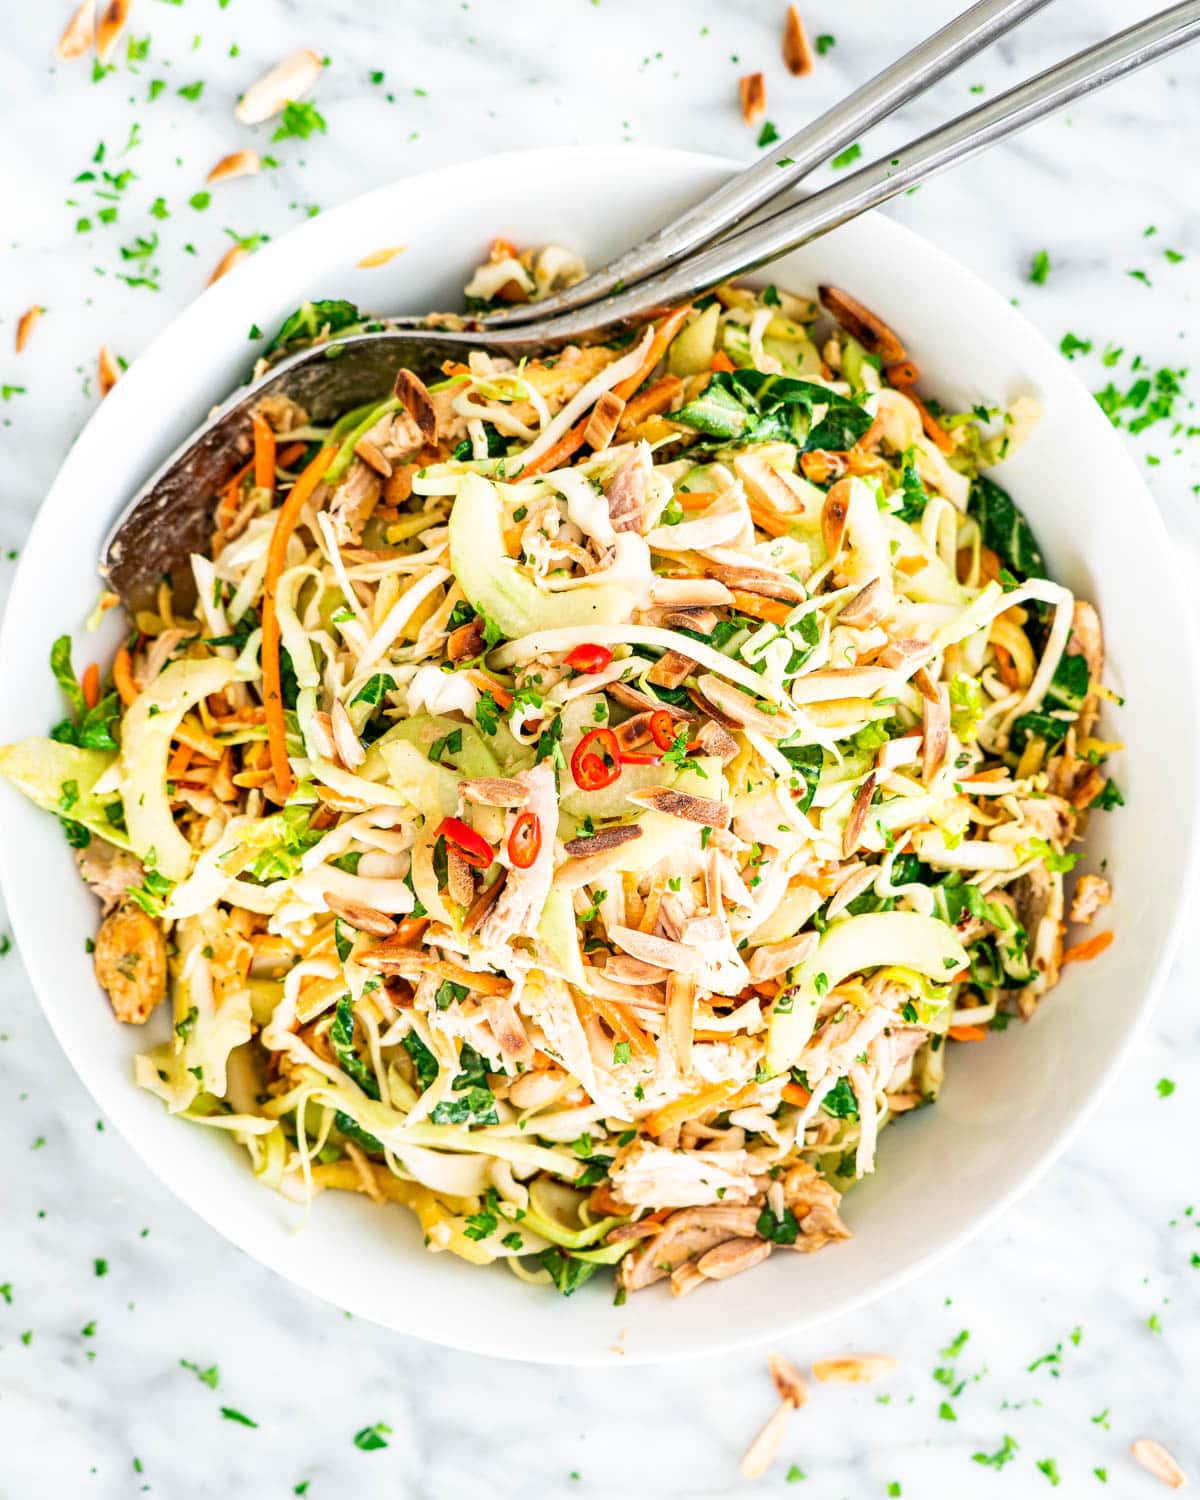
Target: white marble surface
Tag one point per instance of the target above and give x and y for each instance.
(93, 1399)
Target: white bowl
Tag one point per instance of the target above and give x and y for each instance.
(1008, 1107)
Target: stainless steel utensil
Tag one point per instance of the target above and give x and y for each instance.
(169, 517)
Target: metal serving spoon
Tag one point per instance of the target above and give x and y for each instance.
(169, 518)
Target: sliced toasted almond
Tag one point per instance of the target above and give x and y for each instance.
(26, 323)
(466, 641)
(623, 969)
(797, 54)
(232, 257)
(237, 164)
(320, 728)
(752, 95)
(853, 1369)
(857, 820)
(533, 1090)
(859, 321)
(834, 515)
(681, 1020)
(109, 27)
(654, 950)
(671, 669)
(604, 840)
(631, 697)
(460, 882)
(684, 593)
(606, 415)
(774, 959)
(495, 791)
(740, 708)
(713, 740)
(791, 1385)
(381, 257)
(764, 1450)
(372, 457)
(901, 653)
(363, 918)
(79, 34)
(418, 403)
(108, 371)
(936, 727)
(348, 745)
(706, 811)
(867, 607)
(1155, 1459)
(288, 80)
(479, 908)
(925, 684)
(688, 617)
(758, 580)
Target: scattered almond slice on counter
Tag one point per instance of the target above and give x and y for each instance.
(797, 53)
(752, 92)
(381, 257)
(232, 257)
(237, 164)
(852, 1369)
(26, 323)
(79, 34)
(1155, 1459)
(288, 80)
(108, 371)
(793, 1393)
(110, 26)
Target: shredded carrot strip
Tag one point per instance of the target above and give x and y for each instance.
(178, 763)
(622, 1023)
(231, 494)
(663, 335)
(90, 684)
(934, 430)
(264, 452)
(123, 676)
(968, 1033)
(649, 403)
(487, 684)
(557, 454)
(409, 931)
(796, 1093)
(902, 373)
(690, 1105)
(192, 733)
(285, 524)
(695, 499)
(772, 522)
(1091, 948)
(502, 249)
(721, 362)
(761, 608)
(286, 457)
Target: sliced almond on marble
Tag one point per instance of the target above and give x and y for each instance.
(26, 323)
(791, 1385)
(288, 80)
(108, 371)
(232, 257)
(853, 1369)
(752, 95)
(764, 1450)
(110, 26)
(1155, 1459)
(797, 54)
(237, 164)
(380, 257)
(79, 34)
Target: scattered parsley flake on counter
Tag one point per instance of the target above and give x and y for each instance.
(956, 1345)
(298, 119)
(1040, 268)
(191, 91)
(199, 201)
(100, 1266)
(302, 1487)
(1003, 1455)
(825, 43)
(27, 1337)
(894, 1488)
(844, 158)
(1165, 1087)
(370, 1438)
(795, 1474)
(88, 1331)
(768, 135)
(1071, 345)
(1101, 1475)
(231, 1414)
(947, 1412)
(7, 392)
(1153, 1323)
(1049, 1467)
(1139, 276)
(6, 1292)
(210, 1377)
(786, 161)
(157, 85)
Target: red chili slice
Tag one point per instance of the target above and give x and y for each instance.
(596, 762)
(588, 658)
(525, 840)
(473, 847)
(638, 758)
(663, 729)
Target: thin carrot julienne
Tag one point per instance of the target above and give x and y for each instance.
(272, 687)
(1092, 947)
(663, 335)
(123, 676)
(264, 452)
(89, 684)
(968, 1033)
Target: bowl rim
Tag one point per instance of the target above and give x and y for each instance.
(115, 1099)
